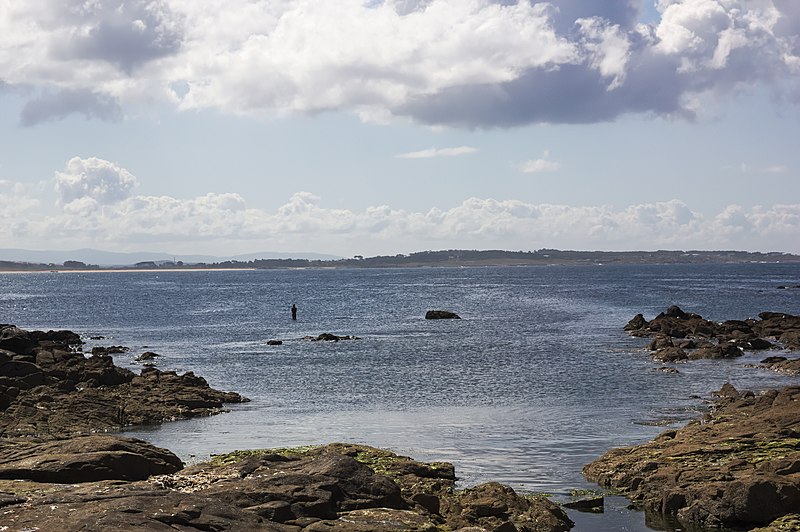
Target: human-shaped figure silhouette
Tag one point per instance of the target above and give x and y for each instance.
(294, 311)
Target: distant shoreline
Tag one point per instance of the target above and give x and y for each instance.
(432, 259)
(124, 270)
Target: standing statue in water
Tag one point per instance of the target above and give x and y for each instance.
(294, 311)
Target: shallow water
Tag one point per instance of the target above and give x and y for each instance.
(537, 379)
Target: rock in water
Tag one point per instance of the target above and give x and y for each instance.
(709, 339)
(147, 355)
(441, 315)
(328, 337)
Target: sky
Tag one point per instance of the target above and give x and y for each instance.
(374, 127)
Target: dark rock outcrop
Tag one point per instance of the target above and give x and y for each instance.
(47, 387)
(739, 467)
(782, 365)
(702, 338)
(83, 459)
(336, 487)
(441, 315)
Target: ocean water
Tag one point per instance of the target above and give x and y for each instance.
(535, 381)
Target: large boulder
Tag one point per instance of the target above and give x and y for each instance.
(791, 339)
(670, 354)
(493, 506)
(717, 352)
(83, 459)
(16, 340)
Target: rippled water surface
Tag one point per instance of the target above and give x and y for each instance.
(535, 381)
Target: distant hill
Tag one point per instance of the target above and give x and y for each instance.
(92, 259)
(110, 258)
(460, 257)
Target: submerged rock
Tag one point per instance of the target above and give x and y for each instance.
(739, 467)
(587, 504)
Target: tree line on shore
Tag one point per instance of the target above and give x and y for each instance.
(446, 258)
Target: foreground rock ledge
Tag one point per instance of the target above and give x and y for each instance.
(337, 487)
(739, 467)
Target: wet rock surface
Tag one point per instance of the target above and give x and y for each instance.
(337, 487)
(679, 336)
(738, 467)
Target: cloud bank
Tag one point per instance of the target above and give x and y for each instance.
(461, 63)
(96, 208)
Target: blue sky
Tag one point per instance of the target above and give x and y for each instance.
(390, 127)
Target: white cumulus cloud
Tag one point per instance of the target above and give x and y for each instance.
(217, 221)
(463, 63)
(93, 179)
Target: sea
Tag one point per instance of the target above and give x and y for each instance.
(537, 379)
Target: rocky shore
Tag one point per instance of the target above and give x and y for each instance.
(62, 469)
(337, 487)
(737, 467)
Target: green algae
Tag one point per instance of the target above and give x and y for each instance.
(536, 495)
(239, 455)
(580, 493)
(752, 452)
(381, 462)
(787, 523)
